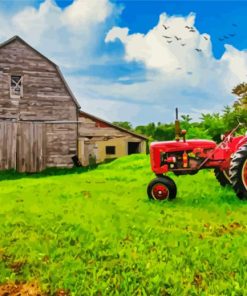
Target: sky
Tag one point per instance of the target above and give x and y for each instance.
(138, 60)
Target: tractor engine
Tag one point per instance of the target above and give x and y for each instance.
(180, 160)
(180, 157)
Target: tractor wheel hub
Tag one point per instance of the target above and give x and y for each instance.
(160, 192)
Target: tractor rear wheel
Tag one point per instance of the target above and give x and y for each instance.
(162, 188)
(238, 172)
(222, 177)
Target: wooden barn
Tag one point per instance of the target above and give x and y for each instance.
(101, 140)
(41, 124)
(33, 94)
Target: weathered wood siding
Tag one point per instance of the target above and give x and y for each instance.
(61, 140)
(45, 97)
(8, 132)
(89, 129)
(31, 147)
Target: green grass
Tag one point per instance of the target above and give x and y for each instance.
(96, 233)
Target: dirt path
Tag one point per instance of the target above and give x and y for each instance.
(27, 289)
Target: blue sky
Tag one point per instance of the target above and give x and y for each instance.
(122, 64)
(213, 17)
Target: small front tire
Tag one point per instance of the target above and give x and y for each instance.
(162, 188)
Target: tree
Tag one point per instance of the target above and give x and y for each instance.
(164, 132)
(238, 112)
(185, 122)
(150, 129)
(124, 124)
(240, 91)
(214, 125)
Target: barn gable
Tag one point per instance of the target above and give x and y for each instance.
(37, 60)
(42, 81)
(103, 124)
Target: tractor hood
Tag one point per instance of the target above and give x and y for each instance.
(189, 145)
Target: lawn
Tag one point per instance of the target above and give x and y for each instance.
(96, 233)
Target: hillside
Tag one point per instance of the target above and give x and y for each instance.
(96, 233)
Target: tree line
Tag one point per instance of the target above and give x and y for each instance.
(210, 126)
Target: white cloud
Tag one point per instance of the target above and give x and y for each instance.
(84, 13)
(35, 23)
(68, 36)
(180, 72)
(236, 61)
(116, 32)
(159, 48)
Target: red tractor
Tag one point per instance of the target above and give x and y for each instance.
(228, 159)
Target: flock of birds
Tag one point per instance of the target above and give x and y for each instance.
(229, 35)
(170, 39)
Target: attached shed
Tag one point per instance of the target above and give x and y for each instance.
(38, 112)
(100, 140)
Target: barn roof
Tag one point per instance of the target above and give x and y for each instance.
(87, 115)
(17, 38)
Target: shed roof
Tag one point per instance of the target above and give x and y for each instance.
(17, 38)
(87, 115)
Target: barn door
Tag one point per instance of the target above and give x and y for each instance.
(30, 146)
(7, 145)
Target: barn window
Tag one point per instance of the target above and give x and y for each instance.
(16, 87)
(109, 150)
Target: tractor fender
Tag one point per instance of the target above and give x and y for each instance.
(241, 143)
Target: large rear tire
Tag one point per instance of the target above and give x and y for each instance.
(222, 177)
(238, 172)
(162, 188)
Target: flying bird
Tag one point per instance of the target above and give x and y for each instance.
(169, 41)
(232, 35)
(234, 25)
(198, 49)
(187, 27)
(189, 73)
(165, 27)
(183, 44)
(226, 37)
(192, 30)
(166, 36)
(179, 68)
(177, 38)
(205, 37)
(220, 39)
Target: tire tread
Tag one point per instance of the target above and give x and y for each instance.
(236, 172)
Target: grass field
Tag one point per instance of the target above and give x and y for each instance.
(96, 233)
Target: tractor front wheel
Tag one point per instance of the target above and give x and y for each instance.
(162, 188)
(238, 172)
